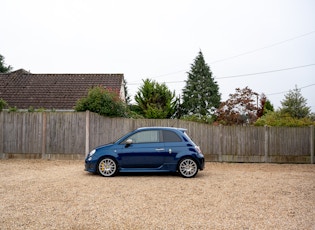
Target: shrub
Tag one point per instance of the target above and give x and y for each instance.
(3, 104)
(13, 109)
(40, 110)
(102, 101)
(199, 118)
(280, 119)
(31, 109)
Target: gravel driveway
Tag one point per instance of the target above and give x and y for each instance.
(41, 194)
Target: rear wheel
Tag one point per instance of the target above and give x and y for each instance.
(107, 167)
(187, 168)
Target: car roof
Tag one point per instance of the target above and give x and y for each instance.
(162, 128)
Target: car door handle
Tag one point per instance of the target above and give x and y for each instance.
(159, 149)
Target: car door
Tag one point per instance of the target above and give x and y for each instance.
(145, 151)
(173, 144)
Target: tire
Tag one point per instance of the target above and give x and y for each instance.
(187, 168)
(107, 167)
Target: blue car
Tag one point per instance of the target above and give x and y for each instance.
(151, 149)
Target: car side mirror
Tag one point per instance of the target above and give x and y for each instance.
(128, 142)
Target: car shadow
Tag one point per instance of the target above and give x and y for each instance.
(145, 174)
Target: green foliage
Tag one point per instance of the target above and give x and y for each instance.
(295, 104)
(40, 110)
(198, 118)
(280, 119)
(268, 107)
(100, 100)
(155, 100)
(134, 112)
(135, 115)
(201, 93)
(13, 109)
(31, 109)
(3, 68)
(3, 104)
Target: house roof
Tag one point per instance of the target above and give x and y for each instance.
(53, 91)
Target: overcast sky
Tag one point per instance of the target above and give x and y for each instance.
(160, 40)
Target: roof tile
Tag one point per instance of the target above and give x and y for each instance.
(52, 91)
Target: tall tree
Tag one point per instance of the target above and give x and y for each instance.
(201, 93)
(3, 68)
(155, 100)
(295, 104)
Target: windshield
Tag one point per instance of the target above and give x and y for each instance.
(123, 138)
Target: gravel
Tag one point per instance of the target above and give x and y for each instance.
(42, 194)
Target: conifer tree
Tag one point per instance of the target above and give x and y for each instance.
(155, 100)
(3, 67)
(295, 104)
(201, 94)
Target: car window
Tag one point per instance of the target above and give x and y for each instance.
(169, 136)
(147, 136)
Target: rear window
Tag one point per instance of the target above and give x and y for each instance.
(169, 136)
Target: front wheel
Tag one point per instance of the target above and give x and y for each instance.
(107, 167)
(187, 168)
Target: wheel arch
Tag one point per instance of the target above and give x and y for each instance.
(185, 169)
(190, 157)
(104, 157)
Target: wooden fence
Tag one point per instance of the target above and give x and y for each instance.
(71, 135)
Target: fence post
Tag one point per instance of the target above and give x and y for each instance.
(266, 144)
(1, 135)
(44, 133)
(312, 143)
(87, 132)
(220, 143)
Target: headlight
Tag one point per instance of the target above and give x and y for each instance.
(198, 149)
(92, 152)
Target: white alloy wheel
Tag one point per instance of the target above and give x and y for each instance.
(188, 168)
(107, 167)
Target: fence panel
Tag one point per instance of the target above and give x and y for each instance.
(65, 133)
(241, 144)
(60, 134)
(104, 130)
(289, 144)
(21, 133)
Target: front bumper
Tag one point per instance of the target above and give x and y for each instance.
(202, 164)
(201, 161)
(90, 166)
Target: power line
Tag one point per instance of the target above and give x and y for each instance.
(241, 54)
(262, 48)
(289, 91)
(270, 71)
(245, 75)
